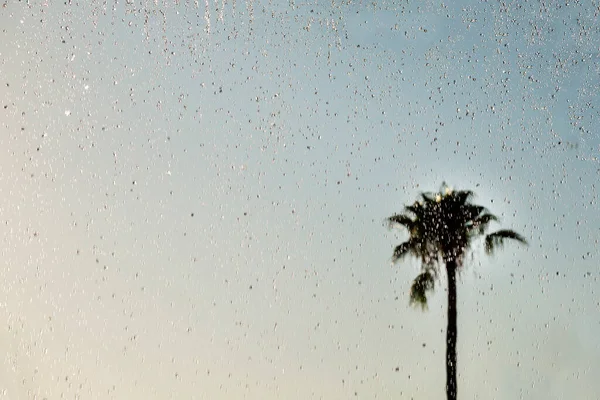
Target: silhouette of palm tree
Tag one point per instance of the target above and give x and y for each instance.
(442, 227)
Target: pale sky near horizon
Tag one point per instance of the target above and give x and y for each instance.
(193, 196)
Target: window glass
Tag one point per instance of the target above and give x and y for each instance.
(193, 197)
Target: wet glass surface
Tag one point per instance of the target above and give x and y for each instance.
(193, 197)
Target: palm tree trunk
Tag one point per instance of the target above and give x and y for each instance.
(451, 332)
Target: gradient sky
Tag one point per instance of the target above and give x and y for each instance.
(193, 196)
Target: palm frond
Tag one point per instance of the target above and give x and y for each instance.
(401, 219)
(423, 283)
(428, 197)
(481, 222)
(462, 196)
(497, 239)
(403, 249)
(416, 209)
(485, 219)
(472, 211)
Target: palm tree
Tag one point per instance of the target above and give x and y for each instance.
(442, 227)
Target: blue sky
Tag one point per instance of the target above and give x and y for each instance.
(193, 198)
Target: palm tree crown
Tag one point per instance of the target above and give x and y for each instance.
(442, 227)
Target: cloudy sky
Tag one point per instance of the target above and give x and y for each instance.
(193, 196)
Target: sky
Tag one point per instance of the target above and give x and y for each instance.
(193, 197)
